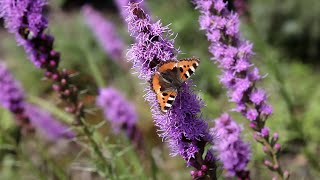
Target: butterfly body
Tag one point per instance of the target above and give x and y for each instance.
(168, 79)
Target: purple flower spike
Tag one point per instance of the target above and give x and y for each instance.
(121, 114)
(116, 108)
(46, 124)
(25, 19)
(105, 33)
(12, 97)
(239, 75)
(182, 127)
(233, 152)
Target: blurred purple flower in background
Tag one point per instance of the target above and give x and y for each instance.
(121, 114)
(105, 33)
(182, 127)
(232, 151)
(116, 108)
(28, 116)
(233, 56)
(12, 97)
(239, 75)
(46, 124)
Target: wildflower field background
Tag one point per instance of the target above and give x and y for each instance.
(117, 138)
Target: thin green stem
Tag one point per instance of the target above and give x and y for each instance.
(104, 164)
(17, 148)
(95, 70)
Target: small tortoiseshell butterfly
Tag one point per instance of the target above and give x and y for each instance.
(169, 77)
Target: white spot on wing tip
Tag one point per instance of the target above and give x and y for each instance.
(187, 73)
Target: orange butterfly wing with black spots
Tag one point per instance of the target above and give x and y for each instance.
(187, 67)
(169, 77)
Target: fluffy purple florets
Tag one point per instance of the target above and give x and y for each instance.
(153, 44)
(104, 32)
(12, 97)
(233, 152)
(25, 19)
(121, 114)
(182, 127)
(233, 56)
(116, 108)
(23, 14)
(239, 75)
(47, 125)
(11, 93)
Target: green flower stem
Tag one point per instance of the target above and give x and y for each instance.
(104, 164)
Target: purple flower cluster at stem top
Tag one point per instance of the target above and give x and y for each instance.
(116, 108)
(232, 151)
(182, 127)
(46, 124)
(25, 19)
(28, 116)
(12, 97)
(121, 114)
(105, 32)
(233, 56)
(239, 75)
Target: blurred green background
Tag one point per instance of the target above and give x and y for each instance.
(286, 38)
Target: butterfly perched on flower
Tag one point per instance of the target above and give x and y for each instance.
(169, 77)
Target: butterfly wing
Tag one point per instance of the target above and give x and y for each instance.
(169, 77)
(166, 92)
(187, 67)
(169, 65)
(166, 100)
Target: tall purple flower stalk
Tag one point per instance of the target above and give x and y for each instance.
(121, 114)
(182, 126)
(239, 75)
(105, 33)
(46, 124)
(28, 116)
(26, 20)
(232, 151)
(12, 98)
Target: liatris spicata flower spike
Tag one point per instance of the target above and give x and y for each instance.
(12, 97)
(122, 4)
(239, 75)
(232, 151)
(25, 19)
(46, 124)
(120, 113)
(182, 126)
(105, 33)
